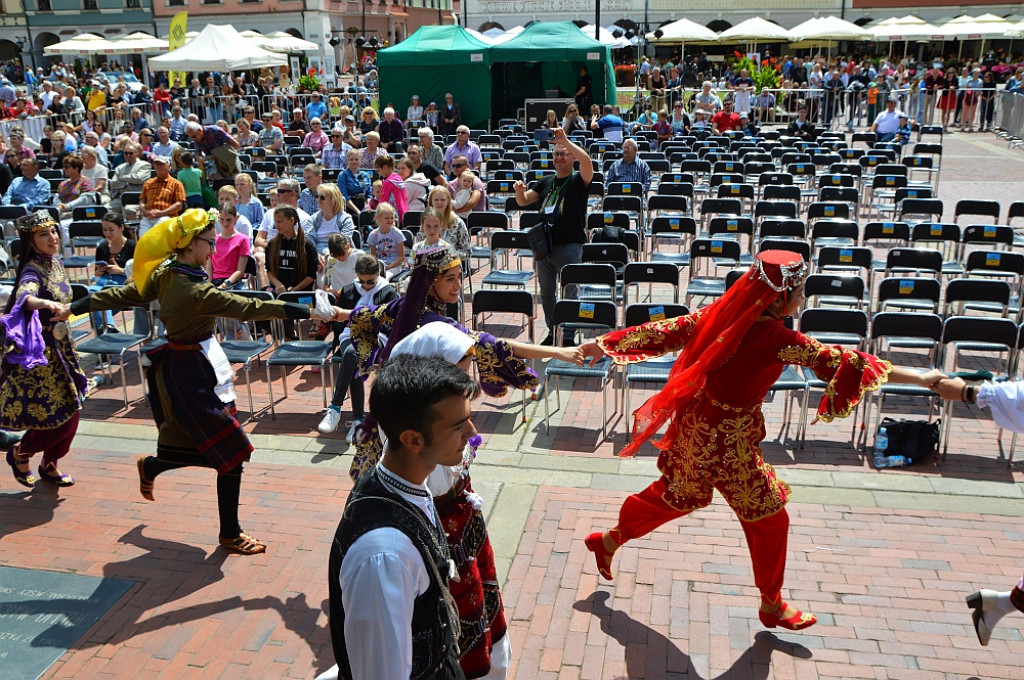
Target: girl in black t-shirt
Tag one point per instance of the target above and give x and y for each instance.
(291, 257)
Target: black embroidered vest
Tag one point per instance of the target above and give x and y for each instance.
(371, 505)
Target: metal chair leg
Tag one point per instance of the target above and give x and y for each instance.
(270, 392)
(547, 408)
(124, 380)
(323, 381)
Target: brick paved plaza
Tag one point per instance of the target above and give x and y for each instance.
(884, 559)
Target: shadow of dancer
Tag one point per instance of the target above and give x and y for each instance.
(28, 509)
(645, 646)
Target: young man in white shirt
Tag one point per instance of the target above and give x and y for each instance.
(391, 615)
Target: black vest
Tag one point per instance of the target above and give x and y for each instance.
(371, 505)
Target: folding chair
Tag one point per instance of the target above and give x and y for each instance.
(848, 327)
(917, 294)
(976, 208)
(976, 334)
(717, 253)
(984, 295)
(245, 351)
(891, 330)
(581, 315)
(836, 289)
(943, 237)
(676, 230)
(636, 273)
(592, 281)
(297, 353)
(653, 371)
(110, 344)
(517, 302)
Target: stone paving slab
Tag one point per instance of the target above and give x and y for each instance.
(888, 584)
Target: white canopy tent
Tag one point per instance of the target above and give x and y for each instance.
(86, 44)
(828, 28)
(493, 32)
(138, 43)
(482, 37)
(984, 27)
(508, 35)
(755, 30)
(279, 41)
(685, 31)
(907, 29)
(605, 37)
(217, 48)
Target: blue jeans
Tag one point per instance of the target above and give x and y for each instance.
(547, 275)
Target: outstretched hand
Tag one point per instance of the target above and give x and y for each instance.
(590, 350)
(950, 388)
(931, 378)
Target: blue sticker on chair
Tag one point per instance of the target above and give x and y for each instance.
(586, 310)
(657, 313)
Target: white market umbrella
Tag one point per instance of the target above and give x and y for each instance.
(138, 43)
(755, 30)
(907, 28)
(217, 48)
(828, 28)
(279, 41)
(85, 44)
(984, 27)
(1016, 30)
(684, 30)
(605, 37)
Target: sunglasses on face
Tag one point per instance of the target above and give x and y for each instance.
(286, 191)
(321, 197)
(369, 283)
(458, 165)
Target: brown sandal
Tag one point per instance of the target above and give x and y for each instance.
(243, 544)
(145, 485)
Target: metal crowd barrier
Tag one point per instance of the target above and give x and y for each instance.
(1010, 116)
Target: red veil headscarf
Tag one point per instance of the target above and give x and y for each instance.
(718, 333)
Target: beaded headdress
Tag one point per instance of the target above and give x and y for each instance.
(35, 222)
(436, 258)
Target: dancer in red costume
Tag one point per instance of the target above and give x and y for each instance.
(732, 352)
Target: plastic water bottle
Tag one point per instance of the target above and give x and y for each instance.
(881, 444)
(890, 461)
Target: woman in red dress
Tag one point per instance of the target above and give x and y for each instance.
(733, 351)
(947, 102)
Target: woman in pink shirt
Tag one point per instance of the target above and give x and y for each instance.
(228, 262)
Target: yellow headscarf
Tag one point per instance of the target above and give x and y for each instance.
(164, 238)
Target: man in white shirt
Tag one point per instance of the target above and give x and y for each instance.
(164, 145)
(391, 614)
(887, 122)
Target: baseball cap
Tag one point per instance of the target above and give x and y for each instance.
(160, 159)
(350, 119)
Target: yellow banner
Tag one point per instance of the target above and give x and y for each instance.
(175, 39)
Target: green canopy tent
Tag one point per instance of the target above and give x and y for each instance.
(433, 61)
(547, 56)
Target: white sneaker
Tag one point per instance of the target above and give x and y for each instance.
(352, 430)
(330, 422)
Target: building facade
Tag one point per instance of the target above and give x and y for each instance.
(314, 20)
(52, 21)
(719, 14)
(14, 38)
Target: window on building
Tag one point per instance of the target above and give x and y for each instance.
(212, 2)
(133, 4)
(176, 3)
(90, 5)
(44, 6)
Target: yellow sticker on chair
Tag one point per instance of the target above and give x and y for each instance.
(989, 231)
(845, 255)
(716, 247)
(830, 211)
(609, 218)
(888, 228)
(993, 259)
(586, 310)
(657, 313)
(935, 230)
(627, 189)
(906, 286)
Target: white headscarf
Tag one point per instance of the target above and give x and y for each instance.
(435, 339)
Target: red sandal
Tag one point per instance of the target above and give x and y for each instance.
(772, 619)
(595, 544)
(145, 485)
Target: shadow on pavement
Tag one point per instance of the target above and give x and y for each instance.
(658, 651)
